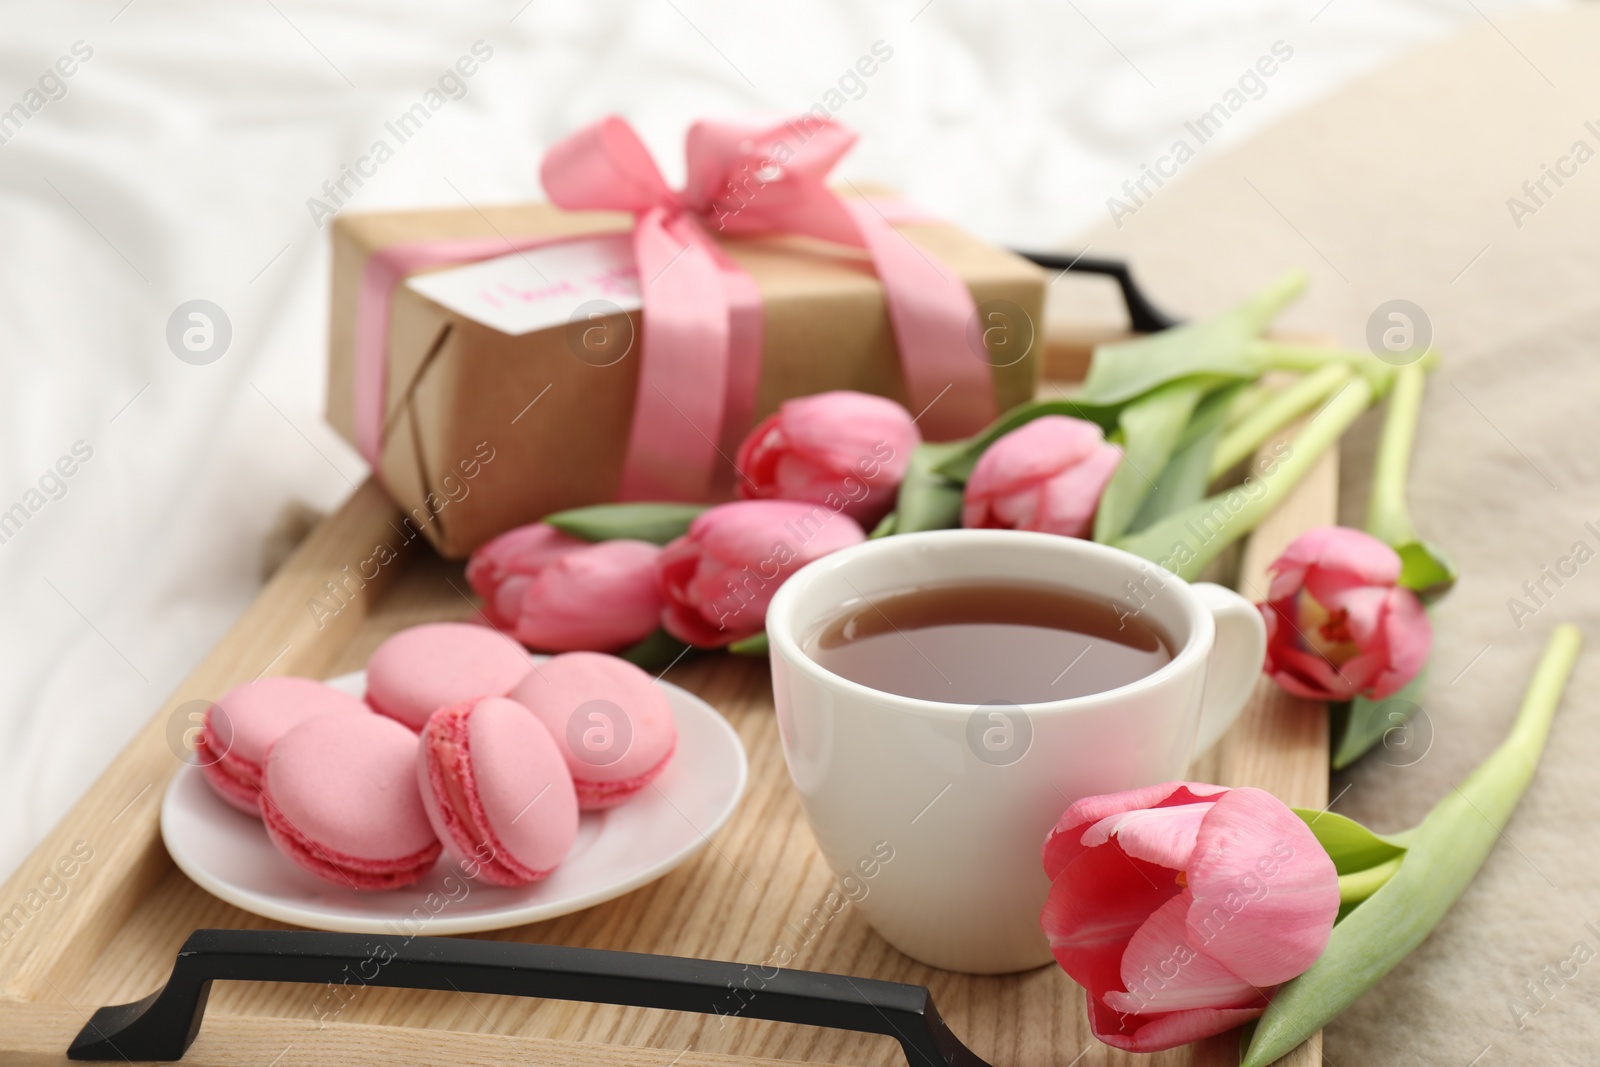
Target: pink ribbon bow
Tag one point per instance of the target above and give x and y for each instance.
(700, 359)
(701, 351)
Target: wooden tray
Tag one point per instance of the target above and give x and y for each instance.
(113, 935)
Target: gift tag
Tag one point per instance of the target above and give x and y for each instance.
(540, 287)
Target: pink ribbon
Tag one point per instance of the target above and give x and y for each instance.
(700, 355)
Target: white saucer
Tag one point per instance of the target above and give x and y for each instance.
(227, 853)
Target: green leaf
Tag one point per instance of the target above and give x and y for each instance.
(656, 523)
(1213, 411)
(657, 652)
(1351, 846)
(1151, 427)
(1220, 345)
(958, 465)
(1443, 855)
(1366, 722)
(1187, 475)
(1426, 570)
(750, 646)
(928, 500)
(1359, 885)
(884, 528)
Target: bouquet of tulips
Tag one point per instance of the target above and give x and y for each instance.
(1184, 909)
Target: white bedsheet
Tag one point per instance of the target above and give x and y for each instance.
(177, 160)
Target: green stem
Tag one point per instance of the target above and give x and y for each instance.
(1281, 355)
(1359, 885)
(1245, 404)
(1388, 517)
(1185, 541)
(1274, 414)
(1499, 782)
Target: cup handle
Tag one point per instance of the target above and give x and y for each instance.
(1236, 658)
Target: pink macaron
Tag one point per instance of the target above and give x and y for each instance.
(340, 799)
(613, 723)
(241, 727)
(497, 791)
(420, 670)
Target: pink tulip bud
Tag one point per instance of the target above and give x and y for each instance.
(600, 598)
(845, 450)
(1045, 475)
(1338, 625)
(719, 577)
(1181, 907)
(557, 593)
(501, 570)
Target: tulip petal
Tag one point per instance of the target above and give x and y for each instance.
(505, 604)
(1348, 550)
(1162, 971)
(690, 627)
(750, 531)
(523, 550)
(757, 456)
(1334, 558)
(846, 449)
(975, 515)
(1071, 498)
(842, 430)
(1032, 452)
(603, 597)
(1311, 675)
(1265, 892)
(1288, 578)
(1066, 839)
(1306, 672)
(1164, 835)
(798, 477)
(1408, 636)
(726, 569)
(678, 564)
(1015, 511)
(1095, 907)
(725, 596)
(1178, 1028)
(500, 569)
(1364, 608)
(1297, 686)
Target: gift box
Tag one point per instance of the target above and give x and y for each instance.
(499, 363)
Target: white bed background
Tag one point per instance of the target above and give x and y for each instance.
(176, 163)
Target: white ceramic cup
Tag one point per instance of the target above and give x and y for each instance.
(964, 797)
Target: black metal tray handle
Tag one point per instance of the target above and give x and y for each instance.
(162, 1025)
(1143, 316)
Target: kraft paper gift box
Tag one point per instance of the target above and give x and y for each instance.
(482, 430)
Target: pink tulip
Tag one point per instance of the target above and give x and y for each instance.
(1337, 624)
(501, 570)
(719, 577)
(846, 450)
(556, 593)
(1181, 907)
(1045, 475)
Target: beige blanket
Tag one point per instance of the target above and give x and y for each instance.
(1411, 184)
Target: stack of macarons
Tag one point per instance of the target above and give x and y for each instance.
(463, 745)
